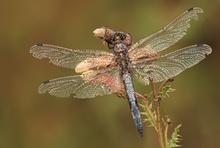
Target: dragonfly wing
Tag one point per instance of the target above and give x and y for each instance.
(65, 57)
(88, 85)
(170, 34)
(167, 66)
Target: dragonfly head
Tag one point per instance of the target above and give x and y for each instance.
(113, 37)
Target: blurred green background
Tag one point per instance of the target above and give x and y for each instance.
(31, 120)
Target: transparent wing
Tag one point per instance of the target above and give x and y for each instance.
(65, 57)
(170, 65)
(170, 34)
(88, 85)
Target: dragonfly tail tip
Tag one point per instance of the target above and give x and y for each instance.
(140, 130)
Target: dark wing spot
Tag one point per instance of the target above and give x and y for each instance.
(199, 45)
(47, 81)
(190, 9)
(40, 44)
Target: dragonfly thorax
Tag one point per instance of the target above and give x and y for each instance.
(120, 48)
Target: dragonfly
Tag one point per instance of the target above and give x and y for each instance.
(102, 72)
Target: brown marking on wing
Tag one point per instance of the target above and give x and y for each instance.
(94, 64)
(142, 53)
(114, 84)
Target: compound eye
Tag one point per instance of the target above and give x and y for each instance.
(127, 40)
(122, 36)
(113, 37)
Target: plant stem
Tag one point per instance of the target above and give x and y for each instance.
(164, 83)
(168, 122)
(158, 116)
(165, 134)
(147, 107)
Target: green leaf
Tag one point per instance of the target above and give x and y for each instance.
(175, 138)
(148, 114)
(165, 90)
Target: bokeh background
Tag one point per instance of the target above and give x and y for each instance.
(31, 120)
